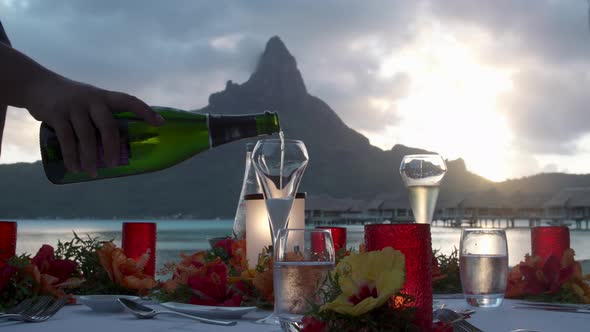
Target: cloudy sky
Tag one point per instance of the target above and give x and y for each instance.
(503, 84)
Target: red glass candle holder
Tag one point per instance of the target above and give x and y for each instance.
(139, 238)
(550, 240)
(338, 236)
(412, 240)
(318, 242)
(7, 240)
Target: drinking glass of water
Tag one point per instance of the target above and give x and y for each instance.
(302, 260)
(484, 266)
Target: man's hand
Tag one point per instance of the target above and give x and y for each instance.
(77, 111)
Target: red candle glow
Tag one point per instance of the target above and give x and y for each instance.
(137, 239)
(338, 236)
(7, 240)
(550, 240)
(413, 240)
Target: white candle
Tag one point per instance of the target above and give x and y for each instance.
(258, 229)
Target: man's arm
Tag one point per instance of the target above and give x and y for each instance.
(20, 76)
(74, 109)
(3, 40)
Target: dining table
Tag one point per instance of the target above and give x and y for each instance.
(505, 318)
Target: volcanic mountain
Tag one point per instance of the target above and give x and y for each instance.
(342, 161)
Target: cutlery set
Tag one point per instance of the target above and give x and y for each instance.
(34, 311)
(144, 312)
(43, 308)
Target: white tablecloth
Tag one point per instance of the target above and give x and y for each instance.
(82, 319)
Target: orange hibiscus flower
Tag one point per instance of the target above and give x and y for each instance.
(123, 271)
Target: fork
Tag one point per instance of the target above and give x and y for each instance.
(456, 320)
(28, 308)
(40, 312)
(45, 314)
(19, 308)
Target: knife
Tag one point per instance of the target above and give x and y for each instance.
(552, 308)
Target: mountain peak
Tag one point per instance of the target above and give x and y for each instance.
(277, 73)
(276, 49)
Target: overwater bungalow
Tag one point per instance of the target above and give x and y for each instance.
(487, 208)
(324, 209)
(570, 204)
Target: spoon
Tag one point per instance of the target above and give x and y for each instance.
(141, 311)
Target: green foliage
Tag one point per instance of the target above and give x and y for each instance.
(182, 294)
(83, 251)
(449, 266)
(20, 285)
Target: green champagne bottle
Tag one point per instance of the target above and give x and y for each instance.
(145, 148)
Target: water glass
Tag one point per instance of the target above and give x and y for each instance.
(302, 260)
(484, 266)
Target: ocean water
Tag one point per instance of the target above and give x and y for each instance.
(176, 236)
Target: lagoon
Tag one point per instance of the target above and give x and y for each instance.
(176, 236)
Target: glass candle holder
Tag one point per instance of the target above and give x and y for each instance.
(338, 236)
(413, 240)
(7, 240)
(549, 240)
(139, 238)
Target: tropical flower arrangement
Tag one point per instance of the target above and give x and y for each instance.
(22, 277)
(363, 294)
(219, 277)
(549, 280)
(79, 266)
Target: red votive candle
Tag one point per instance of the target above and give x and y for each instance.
(338, 236)
(318, 242)
(550, 240)
(412, 240)
(139, 238)
(7, 240)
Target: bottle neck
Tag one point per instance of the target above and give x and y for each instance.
(224, 129)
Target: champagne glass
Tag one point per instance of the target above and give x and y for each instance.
(422, 174)
(279, 166)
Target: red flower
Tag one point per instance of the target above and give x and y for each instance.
(311, 324)
(6, 272)
(45, 260)
(362, 294)
(241, 288)
(535, 276)
(226, 245)
(43, 257)
(210, 286)
(62, 269)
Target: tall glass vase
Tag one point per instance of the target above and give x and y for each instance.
(250, 186)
